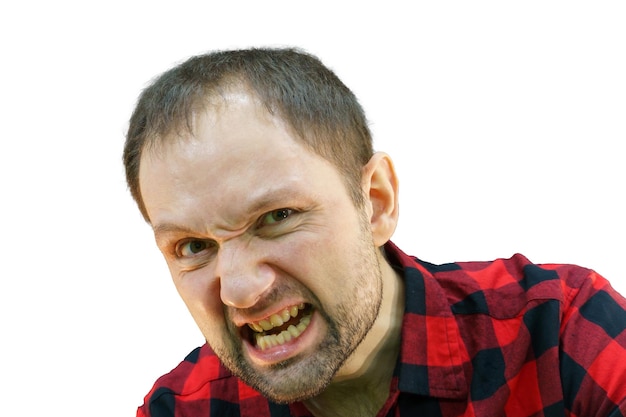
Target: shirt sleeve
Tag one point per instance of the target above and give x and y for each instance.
(593, 347)
(140, 412)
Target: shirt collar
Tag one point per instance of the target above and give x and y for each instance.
(431, 355)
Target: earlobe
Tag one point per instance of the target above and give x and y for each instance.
(380, 185)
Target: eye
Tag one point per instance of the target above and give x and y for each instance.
(276, 216)
(191, 248)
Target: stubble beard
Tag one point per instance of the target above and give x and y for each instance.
(298, 378)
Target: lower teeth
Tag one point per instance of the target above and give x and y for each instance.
(292, 332)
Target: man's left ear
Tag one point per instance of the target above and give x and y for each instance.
(380, 186)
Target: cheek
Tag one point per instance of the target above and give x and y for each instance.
(316, 261)
(201, 295)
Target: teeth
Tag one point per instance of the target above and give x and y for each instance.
(276, 320)
(285, 316)
(256, 327)
(286, 336)
(292, 332)
(266, 325)
(266, 341)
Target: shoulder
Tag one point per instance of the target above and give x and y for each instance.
(506, 287)
(566, 318)
(200, 367)
(199, 384)
(503, 287)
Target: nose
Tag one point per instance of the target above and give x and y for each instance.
(243, 275)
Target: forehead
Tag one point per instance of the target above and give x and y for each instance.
(237, 151)
(233, 128)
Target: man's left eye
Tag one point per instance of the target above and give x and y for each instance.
(276, 216)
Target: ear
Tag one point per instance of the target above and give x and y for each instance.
(380, 186)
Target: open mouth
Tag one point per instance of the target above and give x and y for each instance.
(279, 328)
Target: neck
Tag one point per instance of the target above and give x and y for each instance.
(361, 386)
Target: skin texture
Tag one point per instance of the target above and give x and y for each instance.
(250, 223)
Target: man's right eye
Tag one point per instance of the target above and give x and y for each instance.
(191, 248)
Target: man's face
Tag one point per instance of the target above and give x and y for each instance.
(265, 246)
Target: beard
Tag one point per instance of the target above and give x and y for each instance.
(348, 320)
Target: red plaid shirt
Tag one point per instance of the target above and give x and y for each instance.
(501, 338)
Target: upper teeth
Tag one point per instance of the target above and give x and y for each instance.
(264, 341)
(276, 320)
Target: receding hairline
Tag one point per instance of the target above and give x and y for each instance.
(211, 105)
(224, 94)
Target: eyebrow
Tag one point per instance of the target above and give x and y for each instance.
(271, 198)
(264, 202)
(165, 228)
(162, 230)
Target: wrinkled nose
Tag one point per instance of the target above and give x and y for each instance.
(243, 275)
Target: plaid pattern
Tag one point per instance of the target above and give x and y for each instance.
(501, 338)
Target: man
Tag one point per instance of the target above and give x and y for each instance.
(255, 170)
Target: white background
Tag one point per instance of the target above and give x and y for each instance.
(506, 123)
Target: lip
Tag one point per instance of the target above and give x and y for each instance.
(297, 346)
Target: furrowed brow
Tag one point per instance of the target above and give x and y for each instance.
(283, 197)
(276, 198)
(161, 231)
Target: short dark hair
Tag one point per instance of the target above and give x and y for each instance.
(290, 83)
